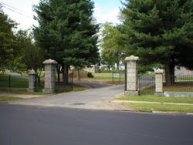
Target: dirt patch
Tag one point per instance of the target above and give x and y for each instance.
(180, 87)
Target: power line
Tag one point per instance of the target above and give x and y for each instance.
(13, 9)
(10, 6)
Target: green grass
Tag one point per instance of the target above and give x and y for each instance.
(107, 78)
(102, 75)
(14, 82)
(159, 103)
(149, 91)
(7, 99)
(159, 99)
(161, 107)
(70, 89)
(21, 91)
(61, 90)
(77, 89)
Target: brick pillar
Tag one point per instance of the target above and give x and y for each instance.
(50, 76)
(32, 78)
(159, 82)
(131, 76)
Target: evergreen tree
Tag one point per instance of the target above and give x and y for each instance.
(7, 41)
(67, 32)
(160, 32)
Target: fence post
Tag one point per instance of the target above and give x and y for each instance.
(9, 81)
(131, 84)
(50, 76)
(32, 79)
(159, 82)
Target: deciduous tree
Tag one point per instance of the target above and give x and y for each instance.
(112, 49)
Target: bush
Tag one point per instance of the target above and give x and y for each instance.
(90, 75)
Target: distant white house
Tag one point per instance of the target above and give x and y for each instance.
(182, 71)
(92, 69)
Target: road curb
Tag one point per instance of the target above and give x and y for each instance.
(171, 113)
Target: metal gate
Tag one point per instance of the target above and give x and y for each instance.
(146, 83)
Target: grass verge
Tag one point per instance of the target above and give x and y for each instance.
(158, 99)
(161, 107)
(159, 103)
(8, 98)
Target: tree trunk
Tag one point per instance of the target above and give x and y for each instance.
(37, 78)
(117, 65)
(65, 74)
(78, 74)
(58, 73)
(169, 74)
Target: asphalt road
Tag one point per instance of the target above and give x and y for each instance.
(27, 125)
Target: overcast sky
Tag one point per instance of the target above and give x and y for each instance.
(21, 11)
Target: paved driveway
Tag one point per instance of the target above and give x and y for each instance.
(91, 98)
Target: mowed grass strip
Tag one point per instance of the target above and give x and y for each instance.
(155, 103)
(161, 107)
(8, 98)
(159, 99)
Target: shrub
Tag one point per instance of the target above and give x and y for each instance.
(90, 75)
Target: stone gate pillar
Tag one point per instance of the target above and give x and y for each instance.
(159, 82)
(131, 76)
(50, 76)
(32, 79)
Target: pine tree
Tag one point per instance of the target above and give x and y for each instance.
(160, 32)
(67, 32)
(7, 41)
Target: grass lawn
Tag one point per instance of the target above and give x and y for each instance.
(161, 107)
(107, 78)
(7, 99)
(159, 103)
(158, 99)
(102, 75)
(13, 82)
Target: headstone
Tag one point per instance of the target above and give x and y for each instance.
(50, 76)
(131, 76)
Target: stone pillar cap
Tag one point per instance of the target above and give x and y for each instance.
(159, 71)
(132, 58)
(32, 72)
(49, 61)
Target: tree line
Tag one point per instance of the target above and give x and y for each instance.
(67, 33)
(160, 32)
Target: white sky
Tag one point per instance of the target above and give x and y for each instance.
(21, 11)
